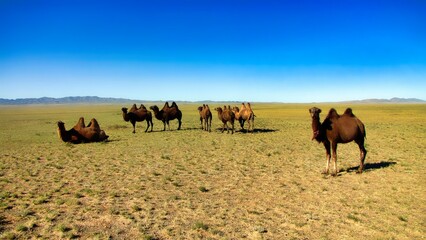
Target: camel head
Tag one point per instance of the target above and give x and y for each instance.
(315, 112)
(200, 108)
(124, 110)
(219, 109)
(154, 108)
(61, 125)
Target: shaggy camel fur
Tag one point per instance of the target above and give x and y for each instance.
(205, 117)
(80, 133)
(168, 113)
(226, 115)
(338, 129)
(138, 115)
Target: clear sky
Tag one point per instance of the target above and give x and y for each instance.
(285, 51)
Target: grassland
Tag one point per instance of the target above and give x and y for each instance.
(191, 184)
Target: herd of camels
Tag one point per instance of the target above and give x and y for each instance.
(334, 129)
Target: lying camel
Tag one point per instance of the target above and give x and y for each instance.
(138, 115)
(205, 117)
(80, 133)
(226, 115)
(168, 113)
(338, 129)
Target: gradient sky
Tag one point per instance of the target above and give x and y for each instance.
(284, 51)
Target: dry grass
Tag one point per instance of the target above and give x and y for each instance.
(191, 184)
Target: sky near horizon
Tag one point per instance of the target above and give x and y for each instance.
(194, 50)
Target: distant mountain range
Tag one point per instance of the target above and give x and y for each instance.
(392, 100)
(64, 100)
(99, 100)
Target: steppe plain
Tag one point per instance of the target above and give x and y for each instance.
(191, 184)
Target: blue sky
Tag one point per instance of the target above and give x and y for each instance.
(285, 51)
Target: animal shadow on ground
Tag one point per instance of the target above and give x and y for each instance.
(256, 130)
(259, 130)
(371, 166)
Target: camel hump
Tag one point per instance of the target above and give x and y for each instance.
(133, 108)
(80, 123)
(142, 107)
(166, 105)
(94, 124)
(332, 114)
(175, 105)
(348, 112)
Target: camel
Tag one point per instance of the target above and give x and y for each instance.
(80, 133)
(226, 115)
(168, 113)
(244, 114)
(338, 129)
(205, 117)
(138, 115)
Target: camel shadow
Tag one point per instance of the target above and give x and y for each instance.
(258, 130)
(372, 166)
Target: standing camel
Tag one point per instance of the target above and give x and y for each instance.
(205, 117)
(244, 114)
(338, 129)
(138, 115)
(168, 113)
(226, 115)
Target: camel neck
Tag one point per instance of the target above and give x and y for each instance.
(63, 134)
(316, 125)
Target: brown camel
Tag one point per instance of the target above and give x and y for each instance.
(338, 129)
(226, 115)
(205, 117)
(138, 115)
(80, 133)
(168, 113)
(245, 114)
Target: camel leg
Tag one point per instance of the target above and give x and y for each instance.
(334, 150)
(164, 123)
(252, 125)
(147, 125)
(232, 124)
(249, 126)
(134, 126)
(210, 124)
(327, 156)
(363, 153)
(180, 123)
(152, 125)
